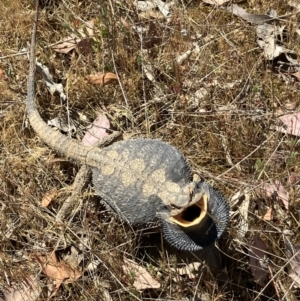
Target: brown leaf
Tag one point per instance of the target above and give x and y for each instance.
(3, 75)
(153, 38)
(28, 290)
(269, 215)
(102, 78)
(276, 190)
(126, 24)
(294, 178)
(256, 259)
(141, 278)
(48, 197)
(72, 41)
(84, 46)
(56, 270)
(97, 131)
(290, 124)
(296, 74)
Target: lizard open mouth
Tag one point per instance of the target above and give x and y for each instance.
(192, 215)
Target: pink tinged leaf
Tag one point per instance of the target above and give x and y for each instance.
(277, 191)
(97, 130)
(257, 260)
(290, 124)
(141, 278)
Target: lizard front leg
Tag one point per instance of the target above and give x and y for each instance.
(73, 203)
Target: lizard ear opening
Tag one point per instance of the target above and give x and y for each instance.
(192, 215)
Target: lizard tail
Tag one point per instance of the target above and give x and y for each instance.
(31, 107)
(54, 139)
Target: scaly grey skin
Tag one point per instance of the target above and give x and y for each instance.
(142, 180)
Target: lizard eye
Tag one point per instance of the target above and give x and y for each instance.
(174, 206)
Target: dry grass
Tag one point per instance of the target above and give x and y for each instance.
(234, 121)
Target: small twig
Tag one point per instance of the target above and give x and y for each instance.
(13, 55)
(274, 282)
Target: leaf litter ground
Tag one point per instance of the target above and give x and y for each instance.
(208, 79)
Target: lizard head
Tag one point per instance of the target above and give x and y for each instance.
(193, 195)
(199, 222)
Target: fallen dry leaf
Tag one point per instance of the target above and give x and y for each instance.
(28, 290)
(269, 215)
(105, 294)
(56, 270)
(102, 78)
(257, 257)
(163, 7)
(215, 2)
(67, 126)
(155, 14)
(195, 98)
(84, 46)
(290, 124)
(126, 24)
(48, 197)
(294, 3)
(252, 18)
(243, 223)
(267, 40)
(141, 278)
(189, 270)
(83, 36)
(3, 75)
(51, 85)
(97, 131)
(73, 257)
(276, 190)
(153, 37)
(296, 74)
(145, 5)
(293, 254)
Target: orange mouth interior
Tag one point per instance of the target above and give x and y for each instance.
(192, 215)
